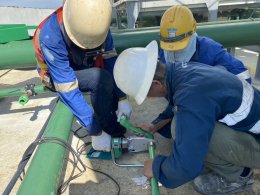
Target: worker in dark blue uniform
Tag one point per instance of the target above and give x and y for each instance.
(180, 43)
(216, 120)
(75, 53)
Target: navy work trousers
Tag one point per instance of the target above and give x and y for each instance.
(99, 82)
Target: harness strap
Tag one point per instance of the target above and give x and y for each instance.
(36, 41)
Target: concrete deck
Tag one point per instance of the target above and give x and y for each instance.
(19, 126)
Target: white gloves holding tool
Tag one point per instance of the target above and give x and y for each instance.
(124, 108)
(102, 142)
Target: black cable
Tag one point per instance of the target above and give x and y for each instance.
(5, 73)
(76, 158)
(75, 133)
(75, 154)
(81, 149)
(110, 177)
(26, 156)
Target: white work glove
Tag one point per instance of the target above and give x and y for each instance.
(124, 108)
(102, 142)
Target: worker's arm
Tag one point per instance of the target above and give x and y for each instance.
(195, 119)
(65, 81)
(163, 119)
(153, 128)
(223, 58)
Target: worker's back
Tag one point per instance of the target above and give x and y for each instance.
(235, 102)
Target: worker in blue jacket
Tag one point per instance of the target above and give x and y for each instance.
(216, 123)
(75, 53)
(180, 43)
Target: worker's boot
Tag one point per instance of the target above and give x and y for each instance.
(214, 184)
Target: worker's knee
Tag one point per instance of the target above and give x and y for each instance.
(222, 139)
(95, 79)
(233, 146)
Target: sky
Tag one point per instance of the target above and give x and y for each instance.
(31, 3)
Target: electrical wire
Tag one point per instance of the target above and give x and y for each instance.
(83, 148)
(5, 73)
(26, 156)
(20, 173)
(76, 159)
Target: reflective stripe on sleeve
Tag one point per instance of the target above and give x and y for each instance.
(256, 128)
(66, 87)
(243, 75)
(245, 107)
(109, 54)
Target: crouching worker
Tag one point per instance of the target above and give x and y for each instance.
(216, 120)
(180, 43)
(75, 54)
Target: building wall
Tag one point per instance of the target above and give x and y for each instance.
(28, 16)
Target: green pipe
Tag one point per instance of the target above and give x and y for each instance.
(17, 54)
(229, 34)
(43, 174)
(18, 91)
(125, 123)
(20, 54)
(154, 182)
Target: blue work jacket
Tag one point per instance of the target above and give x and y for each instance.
(63, 58)
(201, 95)
(212, 53)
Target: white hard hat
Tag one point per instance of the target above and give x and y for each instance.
(134, 70)
(87, 21)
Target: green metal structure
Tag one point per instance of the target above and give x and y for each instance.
(43, 174)
(20, 54)
(13, 32)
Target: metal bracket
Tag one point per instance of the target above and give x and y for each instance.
(29, 90)
(138, 144)
(133, 144)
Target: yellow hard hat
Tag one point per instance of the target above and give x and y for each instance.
(87, 21)
(177, 26)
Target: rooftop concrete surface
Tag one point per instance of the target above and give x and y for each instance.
(20, 125)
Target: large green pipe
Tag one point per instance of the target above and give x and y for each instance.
(17, 54)
(44, 172)
(230, 34)
(20, 54)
